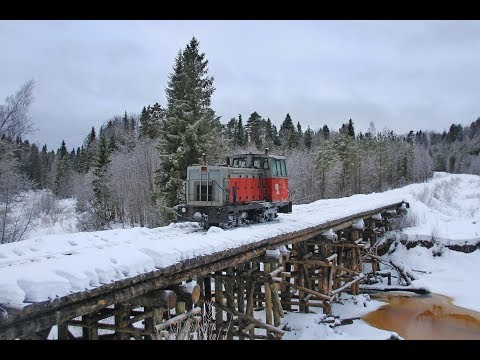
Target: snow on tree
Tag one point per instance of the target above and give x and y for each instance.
(131, 177)
(326, 159)
(302, 176)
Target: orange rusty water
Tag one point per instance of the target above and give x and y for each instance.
(431, 317)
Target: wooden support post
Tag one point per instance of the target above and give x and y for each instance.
(229, 294)
(121, 318)
(180, 307)
(359, 269)
(306, 282)
(207, 280)
(258, 288)
(241, 295)
(286, 288)
(250, 302)
(90, 332)
(300, 278)
(268, 296)
(201, 301)
(218, 299)
(327, 305)
(149, 321)
(276, 304)
(62, 331)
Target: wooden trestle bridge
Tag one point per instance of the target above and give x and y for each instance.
(243, 292)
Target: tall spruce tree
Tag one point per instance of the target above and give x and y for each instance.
(63, 172)
(308, 138)
(325, 132)
(288, 136)
(35, 172)
(190, 124)
(240, 133)
(100, 182)
(254, 128)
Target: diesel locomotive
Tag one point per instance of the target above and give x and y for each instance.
(248, 188)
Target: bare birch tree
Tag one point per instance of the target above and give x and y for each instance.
(14, 121)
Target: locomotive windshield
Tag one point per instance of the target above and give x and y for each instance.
(260, 163)
(278, 167)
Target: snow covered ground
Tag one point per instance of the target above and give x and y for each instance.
(445, 209)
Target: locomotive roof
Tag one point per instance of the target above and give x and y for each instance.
(260, 154)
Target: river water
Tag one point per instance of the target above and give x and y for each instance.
(426, 317)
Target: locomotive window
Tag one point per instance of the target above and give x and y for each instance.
(279, 167)
(284, 168)
(281, 170)
(256, 162)
(274, 167)
(239, 162)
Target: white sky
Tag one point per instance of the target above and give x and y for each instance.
(420, 75)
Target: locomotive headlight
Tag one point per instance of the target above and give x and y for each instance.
(184, 210)
(197, 216)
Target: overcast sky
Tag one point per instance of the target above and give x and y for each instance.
(420, 75)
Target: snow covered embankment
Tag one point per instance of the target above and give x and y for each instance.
(444, 212)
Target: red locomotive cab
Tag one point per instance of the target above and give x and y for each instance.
(264, 178)
(276, 182)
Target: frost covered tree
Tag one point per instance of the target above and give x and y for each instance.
(302, 176)
(15, 215)
(190, 125)
(325, 160)
(14, 120)
(131, 183)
